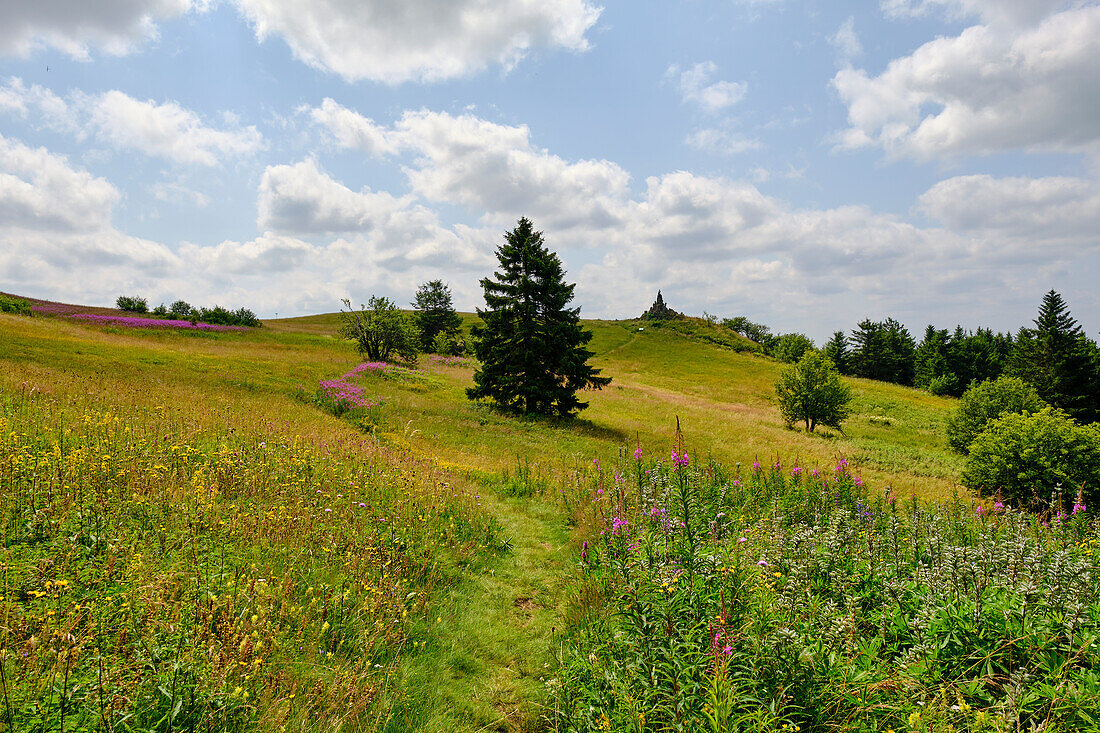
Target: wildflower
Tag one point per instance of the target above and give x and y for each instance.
(742, 539)
(796, 471)
(362, 504)
(998, 507)
(763, 563)
(584, 551)
(858, 481)
(1078, 507)
(637, 454)
(979, 511)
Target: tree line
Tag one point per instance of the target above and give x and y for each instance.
(1054, 355)
(184, 311)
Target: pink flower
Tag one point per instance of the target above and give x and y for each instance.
(637, 454)
(979, 511)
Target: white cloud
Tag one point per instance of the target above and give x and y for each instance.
(165, 130)
(721, 140)
(303, 199)
(353, 130)
(393, 41)
(1036, 210)
(39, 190)
(75, 26)
(987, 90)
(846, 41)
(696, 87)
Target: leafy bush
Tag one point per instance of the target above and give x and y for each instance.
(180, 309)
(11, 304)
(380, 330)
(988, 401)
(1026, 456)
(132, 304)
(448, 344)
(811, 391)
(790, 347)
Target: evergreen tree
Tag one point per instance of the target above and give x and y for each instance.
(883, 351)
(934, 361)
(435, 313)
(1056, 357)
(531, 346)
(837, 351)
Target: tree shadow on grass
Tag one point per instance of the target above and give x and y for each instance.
(577, 425)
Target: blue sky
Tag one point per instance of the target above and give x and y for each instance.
(807, 164)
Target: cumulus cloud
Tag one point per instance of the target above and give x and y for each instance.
(696, 87)
(353, 130)
(1037, 210)
(992, 88)
(301, 198)
(394, 41)
(165, 130)
(39, 190)
(74, 27)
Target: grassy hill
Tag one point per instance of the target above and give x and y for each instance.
(175, 505)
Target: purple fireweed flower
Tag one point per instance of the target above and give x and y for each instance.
(796, 471)
(637, 454)
(815, 473)
(132, 322)
(756, 465)
(1077, 507)
(979, 511)
(999, 507)
(617, 525)
(858, 481)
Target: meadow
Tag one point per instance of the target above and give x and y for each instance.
(251, 530)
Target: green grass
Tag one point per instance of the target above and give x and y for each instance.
(475, 656)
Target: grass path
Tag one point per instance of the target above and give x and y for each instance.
(484, 664)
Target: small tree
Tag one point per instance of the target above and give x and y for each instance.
(985, 402)
(379, 330)
(435, 314)
(790, 347)
(531, 345)
(811, 391)
(1026, 457)
(132, 304)
(181, 309)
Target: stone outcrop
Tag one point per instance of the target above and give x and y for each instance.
(661, 312)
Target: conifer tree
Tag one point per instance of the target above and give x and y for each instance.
(435, 313)
(531, 345)
(837, 351)
(1056, 358)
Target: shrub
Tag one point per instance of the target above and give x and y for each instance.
(11, 304)
(448, 344)
(790, 347)
(988, 401)
(811, 391)
(180, 309)
(132, 304)
(1026, 456)
(380, 330)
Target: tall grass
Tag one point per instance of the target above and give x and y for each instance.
(792, 598)
(158, 574)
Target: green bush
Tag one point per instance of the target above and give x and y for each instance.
(811, 391)
(988, 401)
(132, 304)
(11, 304)
(1026, 456)
(790, 347)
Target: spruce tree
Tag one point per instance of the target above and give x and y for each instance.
(1056, 357)
(837, 351)
(435, 313)
(531, 345)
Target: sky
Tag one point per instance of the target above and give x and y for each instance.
(807, 164)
